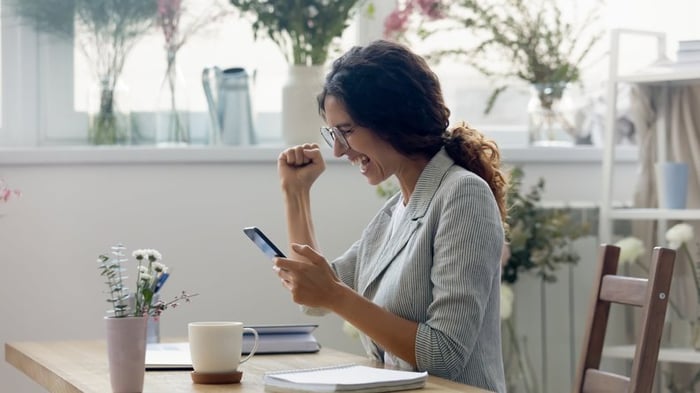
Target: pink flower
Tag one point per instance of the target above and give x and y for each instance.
(396, 22)
(169, 19)
(6, 192)
(433, 9)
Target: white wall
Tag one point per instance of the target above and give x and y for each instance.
(193, 213)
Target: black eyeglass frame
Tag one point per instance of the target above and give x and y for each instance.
(330, 134)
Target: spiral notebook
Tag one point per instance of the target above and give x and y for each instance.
(343, 378)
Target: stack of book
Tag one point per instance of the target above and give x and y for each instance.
(688, 52)
(282, 339)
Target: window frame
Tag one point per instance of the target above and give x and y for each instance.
(20, 85)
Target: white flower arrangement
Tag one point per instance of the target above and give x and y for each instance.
(151, 276)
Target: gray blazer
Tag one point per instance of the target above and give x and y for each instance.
(442, 270)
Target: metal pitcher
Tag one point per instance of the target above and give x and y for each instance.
(228, 97)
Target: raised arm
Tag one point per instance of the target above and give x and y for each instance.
(298, 169)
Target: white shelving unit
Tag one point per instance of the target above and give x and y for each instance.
(663, 76)
(668, 355)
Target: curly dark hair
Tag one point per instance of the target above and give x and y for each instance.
(392, 91)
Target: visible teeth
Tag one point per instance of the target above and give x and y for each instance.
(360, 160)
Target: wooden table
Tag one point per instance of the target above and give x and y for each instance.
(81, 367)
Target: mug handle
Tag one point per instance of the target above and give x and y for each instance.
(255, 344)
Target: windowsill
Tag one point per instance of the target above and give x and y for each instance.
(78, 155)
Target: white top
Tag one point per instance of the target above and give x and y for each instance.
(397, 214)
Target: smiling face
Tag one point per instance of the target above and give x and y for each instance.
(376, 158)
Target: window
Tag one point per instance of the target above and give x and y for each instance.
(44, 83)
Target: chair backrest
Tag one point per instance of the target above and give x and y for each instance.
(651, 294)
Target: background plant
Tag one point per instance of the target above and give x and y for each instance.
(540, 239)
(105, 31)
(302, 29)
(533, 39)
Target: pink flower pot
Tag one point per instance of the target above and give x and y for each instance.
(126, 349)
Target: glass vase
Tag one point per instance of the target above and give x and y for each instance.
(517, 366)
(172, 109)
(109, 118)
(550, 117)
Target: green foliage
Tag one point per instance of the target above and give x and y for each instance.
(122, 19)
(541, 47)
(49, 16)
(113, 272)
(541, 239)
(303, 29)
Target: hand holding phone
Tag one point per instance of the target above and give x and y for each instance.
(262, 241)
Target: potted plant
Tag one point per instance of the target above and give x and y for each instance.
(304, 31)
(127, 319)
(105, 31)
(532, 40)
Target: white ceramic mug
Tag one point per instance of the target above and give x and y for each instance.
(215, 347)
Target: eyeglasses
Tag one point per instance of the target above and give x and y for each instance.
(330, 134)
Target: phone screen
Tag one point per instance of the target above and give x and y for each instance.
(267, 246)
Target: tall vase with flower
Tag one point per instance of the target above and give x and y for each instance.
(532, 40)
(304, 31)
(172, 122)
(178, 24)
(127, 319)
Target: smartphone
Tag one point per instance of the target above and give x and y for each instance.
(265, 244)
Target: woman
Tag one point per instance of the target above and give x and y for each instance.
(422, 283)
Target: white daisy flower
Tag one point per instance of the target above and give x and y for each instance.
(631, 248)
(679, 234)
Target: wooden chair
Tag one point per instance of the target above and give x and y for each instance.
(651, 295)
